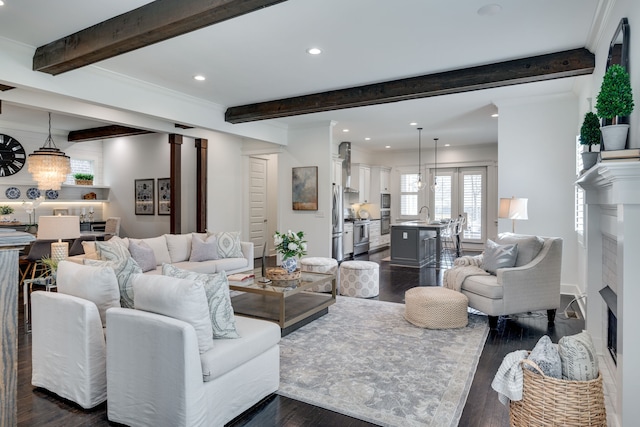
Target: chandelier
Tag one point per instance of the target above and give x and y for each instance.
(434, 187)
(48, 165)
(420, 184)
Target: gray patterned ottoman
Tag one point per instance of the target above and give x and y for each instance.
(319, 265)
(434, 307)
(359, 279)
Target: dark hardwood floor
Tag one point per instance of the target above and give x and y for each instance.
(37, 407)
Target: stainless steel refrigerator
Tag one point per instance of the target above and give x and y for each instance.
(337, 223)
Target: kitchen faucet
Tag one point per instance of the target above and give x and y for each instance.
(428, 212)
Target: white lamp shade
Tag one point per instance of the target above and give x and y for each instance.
(58, 227)
(513, 208)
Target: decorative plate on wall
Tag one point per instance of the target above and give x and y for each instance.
(12, 193)
(33, 193)
(51, 194)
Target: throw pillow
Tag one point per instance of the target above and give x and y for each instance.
(90, 250)
(125, 269)
(178, 298)
(159, 246)
(216, 287)
(528, 246)
(545, 355)
(579, 357)
(179, 246)
(229, 244)
(498, 256)
(203, 250)
(97, 284)
(143, 255)
(112, 249)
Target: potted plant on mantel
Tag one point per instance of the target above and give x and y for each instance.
(614, 101)
(590, 135)
(83, 178)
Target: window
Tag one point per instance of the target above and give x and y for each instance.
(472, 204)
(79, 166)
(408, 194)
(442, 198)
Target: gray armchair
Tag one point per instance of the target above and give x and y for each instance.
(533, 284)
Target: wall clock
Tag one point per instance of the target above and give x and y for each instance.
(12, 155)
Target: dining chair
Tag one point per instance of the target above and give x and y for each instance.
(112, 227)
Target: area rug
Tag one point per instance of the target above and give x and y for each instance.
(363, 359)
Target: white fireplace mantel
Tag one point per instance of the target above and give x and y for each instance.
(612, 211)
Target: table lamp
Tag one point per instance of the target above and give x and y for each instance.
(513, 209)
(59, 227)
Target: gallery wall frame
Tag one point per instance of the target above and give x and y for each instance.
(304, 192)
(164, 196)
(144, 194)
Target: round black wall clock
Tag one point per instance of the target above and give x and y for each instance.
(12, 155)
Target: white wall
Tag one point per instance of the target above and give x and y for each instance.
(309, 145)
(536, 154)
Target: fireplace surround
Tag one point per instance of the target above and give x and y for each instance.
(612, 262)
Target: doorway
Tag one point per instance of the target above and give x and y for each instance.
(462, 191)
(258, 210)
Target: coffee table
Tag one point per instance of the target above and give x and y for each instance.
(286, 302)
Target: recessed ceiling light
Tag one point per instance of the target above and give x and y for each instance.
(345, 130)
(1, 3)
(387, 146)
(413, 124)
(490, 9)
(314, 51)
(199, 77)
(494, 115)
(447, 145)
(367, 139)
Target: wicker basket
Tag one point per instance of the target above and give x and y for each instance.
(84, 182)
(548, 401)
(279, 273)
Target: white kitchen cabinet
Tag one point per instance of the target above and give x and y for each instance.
(361, 180)
(347, 239)
(337, 171)
(374, 235)
(380, 182)
(385, 180)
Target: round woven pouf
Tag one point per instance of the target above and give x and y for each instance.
(433, 307)
(359, 279)
(319, 265)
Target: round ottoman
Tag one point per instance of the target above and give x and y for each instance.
(359, 279)
(434, 307)
(319, 265)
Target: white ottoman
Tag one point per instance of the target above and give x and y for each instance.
(359, 279)
(433, 307)
(319, 265)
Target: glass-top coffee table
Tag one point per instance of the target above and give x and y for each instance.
(287, 302)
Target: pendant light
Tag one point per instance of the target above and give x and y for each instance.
(48, 165)
(420, 184)
(434, 187)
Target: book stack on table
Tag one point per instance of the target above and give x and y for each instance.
(629, 155)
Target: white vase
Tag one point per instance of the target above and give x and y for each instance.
(614, 136)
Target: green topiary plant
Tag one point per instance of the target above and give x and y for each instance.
(6, 210)
(615, 98)
(590, 131)
(83, 176)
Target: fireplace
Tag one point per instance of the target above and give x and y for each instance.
(611, 299)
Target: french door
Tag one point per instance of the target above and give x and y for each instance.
(462, 191)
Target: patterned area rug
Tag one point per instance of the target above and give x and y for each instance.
(363, 359)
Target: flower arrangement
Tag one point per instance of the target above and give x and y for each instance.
(290, 244)
(6, 210)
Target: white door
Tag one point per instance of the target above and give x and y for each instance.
(257, 203)
(462, 191)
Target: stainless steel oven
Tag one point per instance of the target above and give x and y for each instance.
(385, 221)
(360, 237)
(385, 201)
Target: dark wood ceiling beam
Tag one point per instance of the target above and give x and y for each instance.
(154, 22)
(556, 65)
(5, 87)
(105, 132)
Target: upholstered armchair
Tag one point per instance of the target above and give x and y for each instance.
(533, 283)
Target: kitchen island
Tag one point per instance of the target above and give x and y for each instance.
(416, 244)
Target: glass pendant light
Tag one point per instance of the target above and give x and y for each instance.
(434, 187)
(48, 165)
(420, 184)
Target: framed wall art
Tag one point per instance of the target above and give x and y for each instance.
(305, 188)
(164, 196)
(144, 196)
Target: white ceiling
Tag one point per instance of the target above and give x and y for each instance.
(262, 56)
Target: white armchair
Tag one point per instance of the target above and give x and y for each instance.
(529, 286)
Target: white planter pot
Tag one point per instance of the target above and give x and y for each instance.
(589, 159)
(614, 136)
